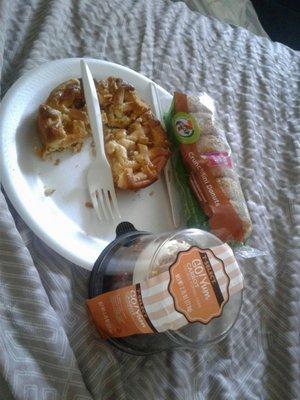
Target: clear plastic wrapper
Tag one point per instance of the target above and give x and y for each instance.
(156, 292)
(204, 169)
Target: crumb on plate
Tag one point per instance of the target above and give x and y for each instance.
(57, 161)
(38, 151)
(93, 148)
(88, 204)
(48, 191)
(151, 193)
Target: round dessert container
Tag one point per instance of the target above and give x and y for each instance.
(134, 257)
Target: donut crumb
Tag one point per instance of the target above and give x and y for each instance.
(48, 192)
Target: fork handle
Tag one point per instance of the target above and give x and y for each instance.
(93, 108)
(97, 130)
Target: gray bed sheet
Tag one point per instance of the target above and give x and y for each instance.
(49, 349)
(234, 12)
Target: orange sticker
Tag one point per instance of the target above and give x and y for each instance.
(194, 286)
(223, 218)
(120, 313)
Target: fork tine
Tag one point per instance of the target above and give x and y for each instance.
(95, 204)
(107, 199)
(115, 202)
(101, 200)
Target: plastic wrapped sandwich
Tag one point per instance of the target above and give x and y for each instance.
(208, 166)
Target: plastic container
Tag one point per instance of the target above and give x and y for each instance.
(136, 256)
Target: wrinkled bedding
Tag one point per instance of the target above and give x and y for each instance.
(234, 12)
(49, 350)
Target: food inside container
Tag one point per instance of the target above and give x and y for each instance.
(154, 292)
(207, 168)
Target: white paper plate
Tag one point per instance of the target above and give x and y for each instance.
(62, 220)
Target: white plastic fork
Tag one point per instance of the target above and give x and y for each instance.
(168, 171)
(99, 176)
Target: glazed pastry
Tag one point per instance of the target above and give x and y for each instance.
(136, 144)
(62, 119)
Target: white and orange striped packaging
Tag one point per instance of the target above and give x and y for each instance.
(194, 289)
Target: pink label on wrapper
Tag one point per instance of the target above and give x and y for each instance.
(220, 159)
